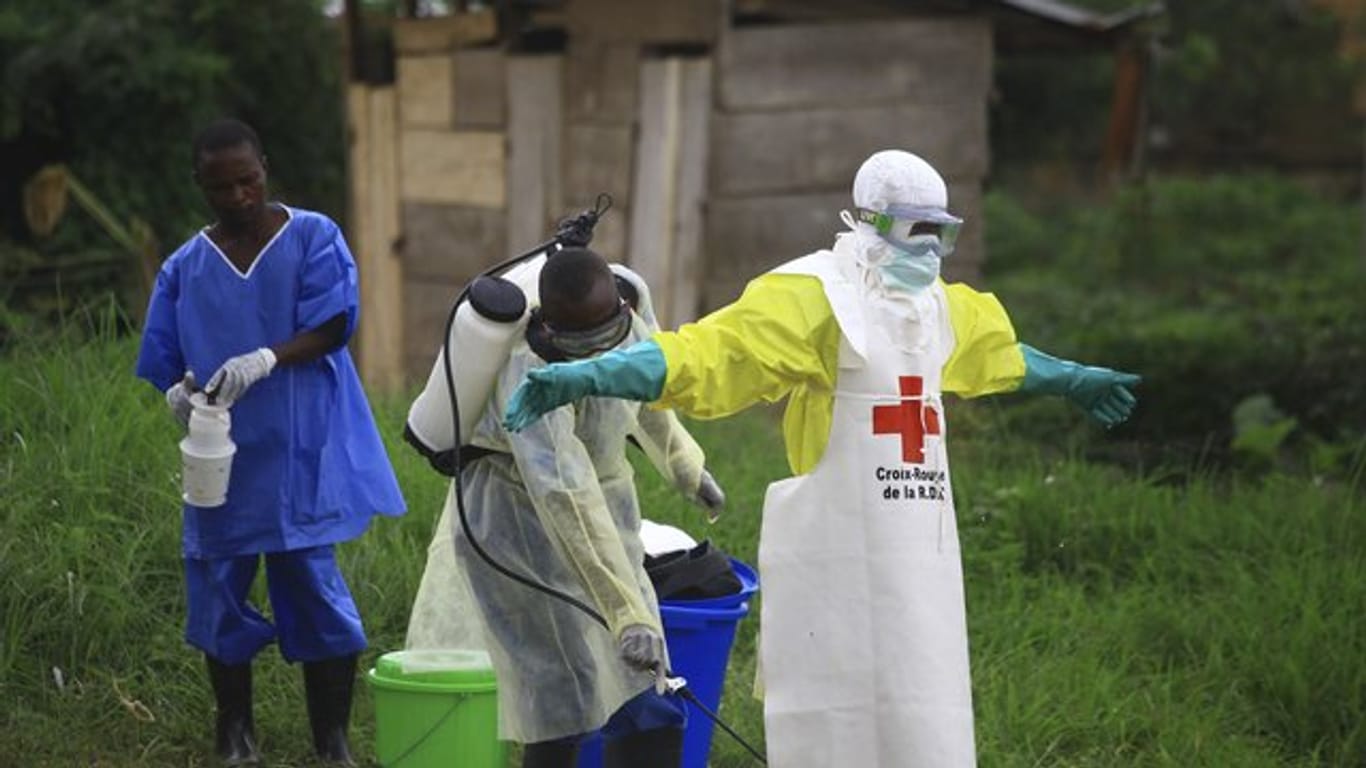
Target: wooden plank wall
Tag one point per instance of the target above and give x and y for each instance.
(374, 224)
(610, 48)
(600, 101)
(454, 169)
(800, 106)
(669, 187)
(535, 112)
(726, 150)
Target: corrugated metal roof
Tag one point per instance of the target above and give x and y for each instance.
(1057, 13)
(1072, 16)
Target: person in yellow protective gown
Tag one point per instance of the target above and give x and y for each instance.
(863, 641)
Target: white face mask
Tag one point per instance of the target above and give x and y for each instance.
(913, 265)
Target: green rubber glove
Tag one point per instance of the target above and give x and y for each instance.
(634, 373)
(1104, 394)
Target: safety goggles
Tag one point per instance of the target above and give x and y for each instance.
(899, 223)
(600, 338)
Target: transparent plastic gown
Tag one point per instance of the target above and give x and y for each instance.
(557, 503)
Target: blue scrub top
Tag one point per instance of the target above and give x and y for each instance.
(310, 468)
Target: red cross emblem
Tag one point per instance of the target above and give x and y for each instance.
(912, 419)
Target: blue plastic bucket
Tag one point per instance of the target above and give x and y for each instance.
(700, 634)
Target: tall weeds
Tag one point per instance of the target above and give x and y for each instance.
(1115, 618)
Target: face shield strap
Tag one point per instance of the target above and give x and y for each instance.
(879, 221)
(538, 338)
(586, 343)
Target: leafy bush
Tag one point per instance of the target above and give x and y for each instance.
(1216, 290)
(116, 90)
(1232, 85)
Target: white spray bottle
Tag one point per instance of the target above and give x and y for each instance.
(206, 453)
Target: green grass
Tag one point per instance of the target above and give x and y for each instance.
(1115, 619)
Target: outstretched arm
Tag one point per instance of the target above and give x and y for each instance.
(634, 373)
(1103, 393)
(988, 359)
(778, 336)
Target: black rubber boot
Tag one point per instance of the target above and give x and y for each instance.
(655, 748)
(234, 737)
(328, 686)
(561, 753)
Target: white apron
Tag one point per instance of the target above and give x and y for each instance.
(864, 646)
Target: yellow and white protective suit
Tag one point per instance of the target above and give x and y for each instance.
(863, 637)
(555, 503)
(864, 643)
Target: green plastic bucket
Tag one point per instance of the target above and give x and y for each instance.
(436, 709)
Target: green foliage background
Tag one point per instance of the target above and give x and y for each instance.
(1115, 618)
(1233, 85)
(1215, 289)
(117, 88)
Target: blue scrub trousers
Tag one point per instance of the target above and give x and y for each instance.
(645, 712)
(315, 615)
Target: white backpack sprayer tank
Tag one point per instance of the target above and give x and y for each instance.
(483, 339)
(483, 342)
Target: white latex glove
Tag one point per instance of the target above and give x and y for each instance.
(642, 648)
(237, 374)
(710, 496)
(178, 399)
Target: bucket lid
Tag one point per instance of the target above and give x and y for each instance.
(456, 668)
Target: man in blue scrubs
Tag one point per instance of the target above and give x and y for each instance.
(259, 306)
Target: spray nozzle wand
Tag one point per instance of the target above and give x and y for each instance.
(577, 231)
